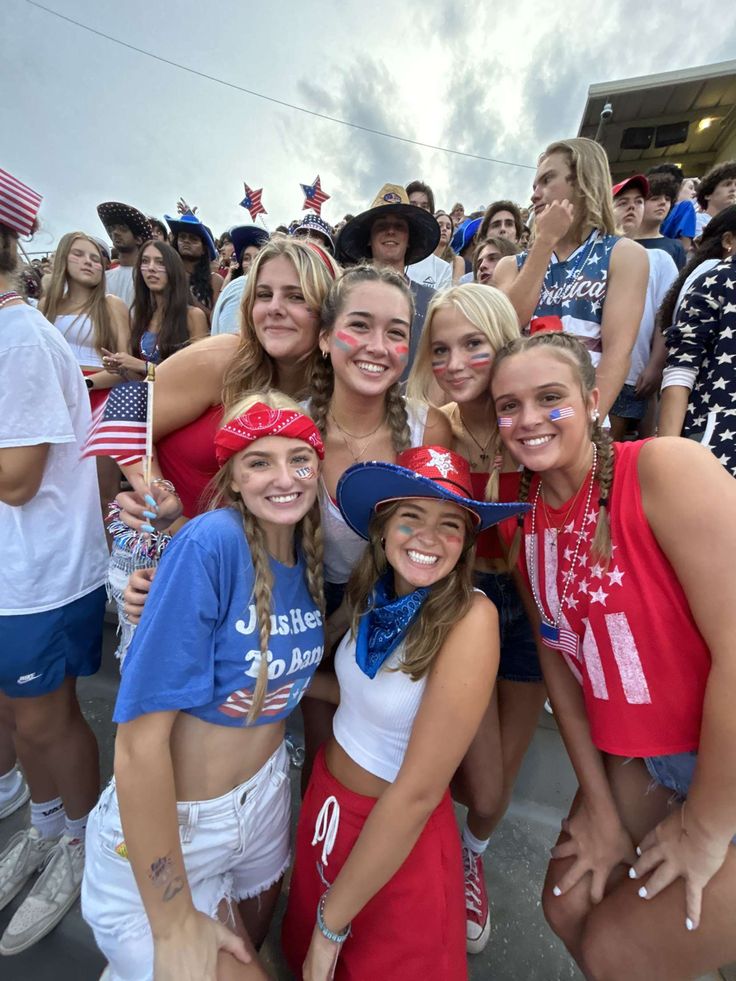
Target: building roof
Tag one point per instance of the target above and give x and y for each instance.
(690, 96)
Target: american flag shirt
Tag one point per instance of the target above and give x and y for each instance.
(626, 630)
(197, 647)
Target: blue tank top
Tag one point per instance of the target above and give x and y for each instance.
(197, 648)
(575, 290)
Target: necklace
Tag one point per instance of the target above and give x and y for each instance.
(550, 629)
(550, 524)
(483, 447)
(366, 436)
(9, 297)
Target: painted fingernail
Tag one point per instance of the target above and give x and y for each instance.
(150, 501)
(147, 528)
(556, 891)
(632, 873)
(638, 850)
(643, 892)
(150, 514)
(689, 923)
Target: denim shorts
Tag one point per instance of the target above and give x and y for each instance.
(234, 848)
(519, 660)
(628, 406)
(675, 772)
(40, 650)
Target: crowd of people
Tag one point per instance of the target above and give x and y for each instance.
(403, 480)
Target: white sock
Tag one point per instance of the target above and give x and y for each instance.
(74, 829)
(476, 845)
(9, 783)
(48, 817)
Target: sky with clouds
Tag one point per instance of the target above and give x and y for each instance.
(88, 120)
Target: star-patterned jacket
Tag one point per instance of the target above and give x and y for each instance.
(702, 344)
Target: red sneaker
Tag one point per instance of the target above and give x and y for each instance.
(477, 913)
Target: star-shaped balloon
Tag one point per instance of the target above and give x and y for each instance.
(314, 196)
(252, 202)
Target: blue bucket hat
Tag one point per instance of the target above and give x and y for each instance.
(244, 235)
(464, 234)
(192, 224)
(423, 471)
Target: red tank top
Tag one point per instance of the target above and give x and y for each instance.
(187, 459)
(626, 632)
(488, 544)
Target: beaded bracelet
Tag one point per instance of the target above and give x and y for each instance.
(336, 938)
(164, 485)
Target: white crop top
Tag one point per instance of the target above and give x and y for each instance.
(78, 332)
(375, 717)
(342, 546)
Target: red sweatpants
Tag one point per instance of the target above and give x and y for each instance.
(414, 928)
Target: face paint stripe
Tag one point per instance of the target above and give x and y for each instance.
(347, 339)
(480, 358)
(439, 367)
(405, 529)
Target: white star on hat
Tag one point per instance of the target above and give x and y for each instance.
(442, 462)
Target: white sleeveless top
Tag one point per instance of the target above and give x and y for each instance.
(375, 717)
(78, 332)
(342, 546)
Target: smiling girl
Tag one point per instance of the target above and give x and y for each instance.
(377, 843)
(628, 560)
(465, 327)
(194, 830)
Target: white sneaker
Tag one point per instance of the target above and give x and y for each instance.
(55, 892)
(9, 805)
(25, 854)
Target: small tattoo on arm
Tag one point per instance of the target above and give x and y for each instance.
(173, 888)
(160, 871)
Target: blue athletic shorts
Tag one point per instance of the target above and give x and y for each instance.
(39, 650)
(519, 660)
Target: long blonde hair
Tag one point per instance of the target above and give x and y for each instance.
(251, 367)
(323, 377)
(308, 534)
(101, 332)
(591, 177)
(570, 350)
(448, 601)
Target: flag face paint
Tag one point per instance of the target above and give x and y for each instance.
(439, 367)
(564, 413)
(505, 422)
(345, 341)
(480, 360)
(402, 351)
(304, 473)
(405, 529)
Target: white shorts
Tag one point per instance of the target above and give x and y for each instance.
(234, 848)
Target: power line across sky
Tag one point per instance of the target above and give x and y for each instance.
(268, 98)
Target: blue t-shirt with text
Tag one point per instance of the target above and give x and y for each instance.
(197, 647)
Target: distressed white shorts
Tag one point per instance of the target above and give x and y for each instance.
(234, 848)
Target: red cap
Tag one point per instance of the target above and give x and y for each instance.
(637, 180)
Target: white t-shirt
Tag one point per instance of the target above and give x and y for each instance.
(662, 274)
(120, 283)
(53, 547)
(432, 271)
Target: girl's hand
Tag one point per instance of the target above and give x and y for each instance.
(674, 850)
(321, 958)
(146, 508)
(136, 592)
(597, 848)
(190, 952)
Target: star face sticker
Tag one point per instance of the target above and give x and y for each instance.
(442, 463)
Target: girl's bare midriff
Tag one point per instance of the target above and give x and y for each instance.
(350, 774)
(211, 760)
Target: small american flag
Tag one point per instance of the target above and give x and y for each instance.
(252, 202)
(564, 413)
(505, 422)
(19, 204)
(314, 196)
(118, 428)
(275, 703)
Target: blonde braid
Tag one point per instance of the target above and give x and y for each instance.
(323, 383)
(515, 548)
(398, 419)
(262, 593)
(495, 448)
(312, 546)
(601, 545)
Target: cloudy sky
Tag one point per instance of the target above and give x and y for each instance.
(88, 120)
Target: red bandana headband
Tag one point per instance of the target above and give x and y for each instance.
(261, 420)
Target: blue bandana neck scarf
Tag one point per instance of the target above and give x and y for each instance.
(384, 625)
